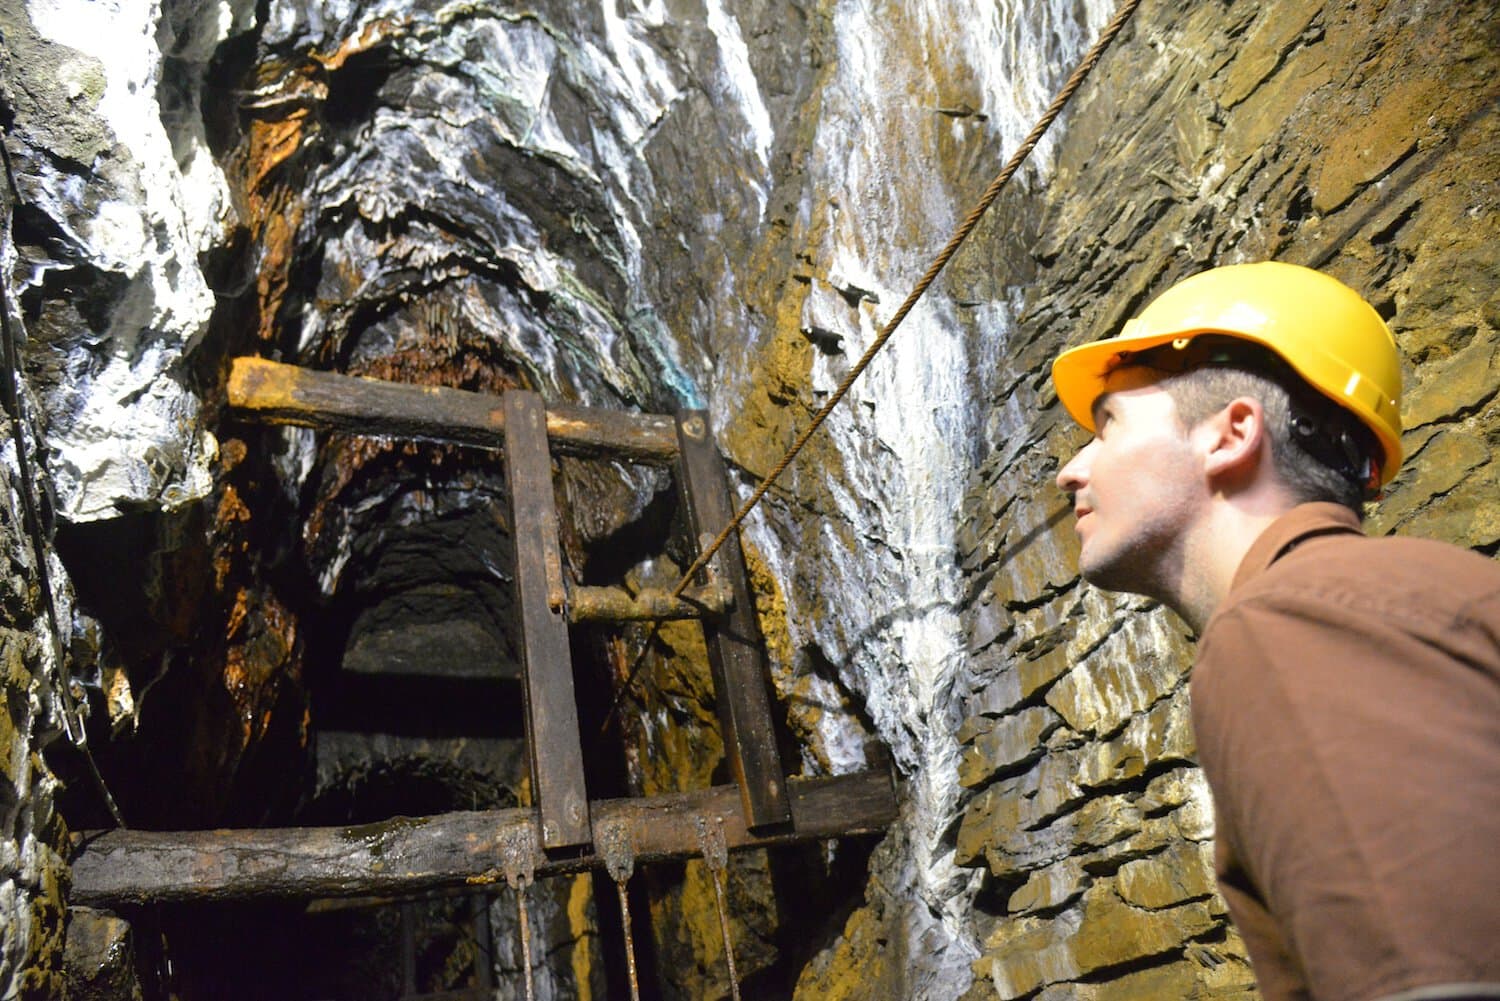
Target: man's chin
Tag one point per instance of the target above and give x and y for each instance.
(1109, 576)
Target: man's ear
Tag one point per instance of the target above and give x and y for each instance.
(1234, 440)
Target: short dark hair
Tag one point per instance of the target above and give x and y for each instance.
(1200, 392)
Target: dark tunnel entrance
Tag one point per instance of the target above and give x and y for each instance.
(390, 612)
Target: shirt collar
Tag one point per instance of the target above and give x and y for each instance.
(1297, 525)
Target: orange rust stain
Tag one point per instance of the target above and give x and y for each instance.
(374, 34)
(231, 509)
(232, 452)
(237, 613)
(272, 143)
(255, 665)
(223, 564)
(277, 238)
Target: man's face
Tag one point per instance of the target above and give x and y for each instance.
(1136, 488)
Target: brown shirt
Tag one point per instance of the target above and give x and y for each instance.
(1346, 700)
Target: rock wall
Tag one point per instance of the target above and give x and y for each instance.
(1360, 138)
(33, 871)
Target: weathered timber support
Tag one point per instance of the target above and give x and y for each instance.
(736, 652)
(554, 747)
(411, 855)
(275, 393)
(651, 604)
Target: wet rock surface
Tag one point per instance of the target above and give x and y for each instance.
(1347, 137)
(99, 960)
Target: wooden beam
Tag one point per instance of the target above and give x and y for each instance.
(414, 855)
(552, 737)
(735, 649)
(273, 393)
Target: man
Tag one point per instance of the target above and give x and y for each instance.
(1346, 695)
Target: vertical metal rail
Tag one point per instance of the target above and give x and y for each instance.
(734, 640)
(556, 751)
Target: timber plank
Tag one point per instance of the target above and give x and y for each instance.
(275, 393)
(735, 648)
(408, 855)
(552, 735)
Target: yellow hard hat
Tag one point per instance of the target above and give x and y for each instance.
(1318, 325)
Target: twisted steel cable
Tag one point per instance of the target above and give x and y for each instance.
(991, 193)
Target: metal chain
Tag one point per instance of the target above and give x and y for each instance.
(991, 193)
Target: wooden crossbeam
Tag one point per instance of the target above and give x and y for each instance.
(274, 393)
(413, 855)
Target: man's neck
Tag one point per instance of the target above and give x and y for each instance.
(1215, 550)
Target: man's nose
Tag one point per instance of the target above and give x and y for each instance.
(1075, 474)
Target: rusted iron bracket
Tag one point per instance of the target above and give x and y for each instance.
(414, 855)
(734, 640)
(556, 751)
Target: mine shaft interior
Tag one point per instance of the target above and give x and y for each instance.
(462, 645)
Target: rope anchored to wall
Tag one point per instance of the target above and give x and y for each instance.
(991, 193)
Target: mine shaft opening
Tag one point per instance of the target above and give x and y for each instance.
(402, 696)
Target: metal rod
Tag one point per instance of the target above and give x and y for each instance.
(716, 857)
(615, 604)
(518, 855)
(635, 986)
(525, 943)
(619, 860)
(734, 979)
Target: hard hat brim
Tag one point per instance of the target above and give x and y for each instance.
(1080, 376)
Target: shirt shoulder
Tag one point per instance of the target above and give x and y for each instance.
(1392, 580)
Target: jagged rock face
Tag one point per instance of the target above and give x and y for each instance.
(652, 206)
(33, 840)
(121, 198)
(1360, 138)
